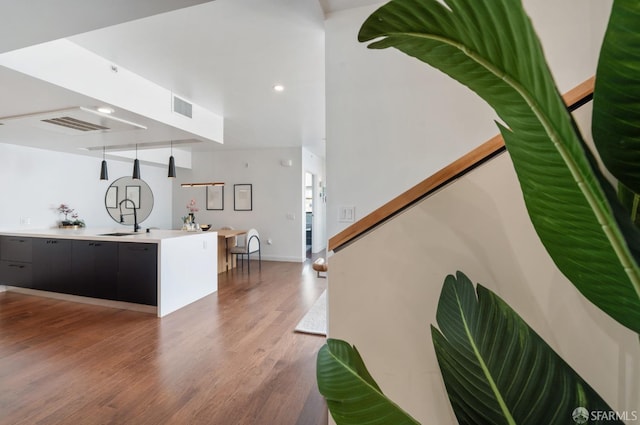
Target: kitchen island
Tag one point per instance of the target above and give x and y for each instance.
(159, 271)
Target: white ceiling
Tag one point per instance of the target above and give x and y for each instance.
(24, 23)
(223, 55)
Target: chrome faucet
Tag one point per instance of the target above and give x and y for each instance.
(135, 214)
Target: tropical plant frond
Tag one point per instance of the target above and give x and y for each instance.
(631, 202)
(496, 369)
(616, 97)
(352, 395)
(491, 47)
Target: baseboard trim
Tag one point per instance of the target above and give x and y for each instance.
(85, 300)
(276, 258)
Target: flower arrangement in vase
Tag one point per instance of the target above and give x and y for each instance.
(189, 221)
(74, 222)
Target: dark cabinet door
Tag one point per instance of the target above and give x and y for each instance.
(138, 273)
(94, 268)
(15, 261)
(52, 265)
(15, 248)
(15, 273)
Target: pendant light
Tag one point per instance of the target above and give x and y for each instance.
(172, 164)
(104, 175)
(136, 166)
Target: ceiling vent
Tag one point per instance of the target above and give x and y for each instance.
(182, 107)
(73, 121)
(75, 124)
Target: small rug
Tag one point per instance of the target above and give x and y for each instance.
(315, 321)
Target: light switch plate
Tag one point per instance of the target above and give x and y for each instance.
(347, 214)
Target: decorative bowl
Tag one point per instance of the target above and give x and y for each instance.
(205, 227)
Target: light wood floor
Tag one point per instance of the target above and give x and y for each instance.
(231, 358)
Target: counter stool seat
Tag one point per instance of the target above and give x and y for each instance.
(320, 265)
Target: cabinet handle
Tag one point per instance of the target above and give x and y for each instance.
(20, 266)
(136, 248)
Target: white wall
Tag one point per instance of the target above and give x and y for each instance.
(277, 196)
(392, 121)
(33, 182)
(383, 299)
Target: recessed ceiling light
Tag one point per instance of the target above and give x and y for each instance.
(105, 110)
(278, 87)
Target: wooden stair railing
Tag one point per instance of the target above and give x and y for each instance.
(574, 98)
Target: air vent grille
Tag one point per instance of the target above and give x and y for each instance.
(75, 124)
(182, 107)
(72, 121)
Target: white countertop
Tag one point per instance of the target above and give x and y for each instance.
(153, 236)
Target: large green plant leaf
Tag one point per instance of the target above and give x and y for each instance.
(353, 397)
(496, 369)
(631, 202)
(490, 46)
(616, 98)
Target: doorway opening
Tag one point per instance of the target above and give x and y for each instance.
(308, 210)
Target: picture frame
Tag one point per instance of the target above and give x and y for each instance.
(111, 198)
(133, 193)
(215, 198)
(242, 197)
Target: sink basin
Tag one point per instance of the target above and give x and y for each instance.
(118, 234)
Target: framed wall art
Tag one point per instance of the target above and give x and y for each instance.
(111, 198)
(215, 198)
(133, 194)
(242, 197)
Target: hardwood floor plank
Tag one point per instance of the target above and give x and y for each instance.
(230, 358)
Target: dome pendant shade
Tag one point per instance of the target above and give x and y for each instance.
(104, 174)
(172, 167)
(136, 169)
